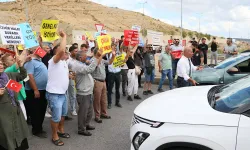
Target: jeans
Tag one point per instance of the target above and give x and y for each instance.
(205, 57)
(72, 95)
(214, 55)
(124, 73)
(164, 74)
(114, 78)
(174, 66)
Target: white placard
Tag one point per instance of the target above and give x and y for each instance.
(11, 34)
(155, 38)
(136, 28)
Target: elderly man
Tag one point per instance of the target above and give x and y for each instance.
(165, 68)
(185, 68)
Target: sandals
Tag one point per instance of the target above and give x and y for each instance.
(105, 117)
(58, 142)
(63, 135)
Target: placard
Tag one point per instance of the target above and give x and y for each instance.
(11, 34)
(49, 30)
(136, 28)
(28, 36)
(104, 43)
(131, 37)
(155, 38)
(119, 60)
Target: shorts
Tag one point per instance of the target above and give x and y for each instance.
(58, 105)
(149, 77)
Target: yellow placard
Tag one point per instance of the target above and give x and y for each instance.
(119, 60)
(89, 36)
(48, 30)
(20, 47)
(104, 43)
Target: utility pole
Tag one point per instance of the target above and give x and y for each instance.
(181, 20)
(26, 10)
(229, 31)
(143, 3)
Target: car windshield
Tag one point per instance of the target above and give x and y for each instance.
(233, 95)
(229, 61)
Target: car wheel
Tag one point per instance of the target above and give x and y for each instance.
(181, 148)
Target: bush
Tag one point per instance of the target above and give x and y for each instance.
(184, 34)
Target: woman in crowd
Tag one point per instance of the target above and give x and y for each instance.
(13, 127)
(139, 63)
(11, 66)
(132, 76)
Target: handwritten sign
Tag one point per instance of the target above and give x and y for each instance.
(28, 36)
(48, 30)
(119, 60)
(131, 37)
(11, 34)
(104, 43)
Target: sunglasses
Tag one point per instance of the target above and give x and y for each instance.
(176, 39)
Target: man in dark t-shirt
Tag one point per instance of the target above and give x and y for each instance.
(214, 53)
(198, 57)
(204, 48)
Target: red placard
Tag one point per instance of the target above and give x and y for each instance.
(83, 37)
(13, 85)
(177, 54)
(170, 41)
(184, 42)
(131, 36)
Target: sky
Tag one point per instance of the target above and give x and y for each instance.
(226, 18)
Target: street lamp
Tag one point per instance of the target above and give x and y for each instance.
(143, 3)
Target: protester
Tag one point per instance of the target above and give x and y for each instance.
(36, 102)
(100, 89)
(11, 66)
(204, 48)
(84, 87)
(176, 53)
(149, 65)
(124, 71)
(56, 91)
(75, 45)
(230, 49)
(165, 68)
(198, 56)
(139, 62)
(71, 89)
(214, 53)
(84, 47)
(13, 127)
(121, 41)
(185, 68)
(114, 76)
(133, 73)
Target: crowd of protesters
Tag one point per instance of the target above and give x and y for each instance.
(86, 76)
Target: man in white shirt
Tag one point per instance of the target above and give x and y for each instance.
(58, 81)
(185, 68)
(176, 52)
(230, 49)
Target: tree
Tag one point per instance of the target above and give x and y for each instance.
(144, 32)
(171, 32)
(184, 34)
(190, 34)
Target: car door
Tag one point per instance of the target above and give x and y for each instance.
(237, 71)
(243, 136)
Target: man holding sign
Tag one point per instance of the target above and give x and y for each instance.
(104, 42)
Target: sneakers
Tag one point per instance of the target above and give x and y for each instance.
(98, 120)
(73, 113)
(85, 133)
(47, 115)
(42, 135)
(150, 92)
(118, 105)
(129, 98)
(160, 90)
(68, 118)
(145, 92)
(89, 127)
(137, 97)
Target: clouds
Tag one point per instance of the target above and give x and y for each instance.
(218, 16)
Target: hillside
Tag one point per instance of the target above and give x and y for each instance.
(81, 15)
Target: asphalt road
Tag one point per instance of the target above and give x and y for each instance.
(110, 135)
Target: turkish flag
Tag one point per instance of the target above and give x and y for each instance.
(13, 85)
(40, 52)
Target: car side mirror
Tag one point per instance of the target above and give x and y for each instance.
(232, 70)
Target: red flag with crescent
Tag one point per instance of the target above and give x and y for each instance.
(40, 52)
(13, 85)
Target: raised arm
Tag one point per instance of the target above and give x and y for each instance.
(61, 49)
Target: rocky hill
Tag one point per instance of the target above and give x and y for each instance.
(81, 15)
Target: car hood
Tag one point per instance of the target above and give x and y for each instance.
(187, 105)
(207, 71)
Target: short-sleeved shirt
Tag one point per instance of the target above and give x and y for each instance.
(231, 48)
(165, 60)
(149, 59)
(203, 47)
(40, 72)
(176, 50)
(196, 59)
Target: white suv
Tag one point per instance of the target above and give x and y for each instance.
(194, 118)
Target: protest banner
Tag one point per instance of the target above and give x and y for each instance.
(119, 60)
(80, 37)
(28, 36)
(154, 38)
(11, 34)
(104, 43)
(170, 42)
(7, 51)
(131, 37)
(48, 30)
(136, 28)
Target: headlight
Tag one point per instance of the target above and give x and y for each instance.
(139, 138)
